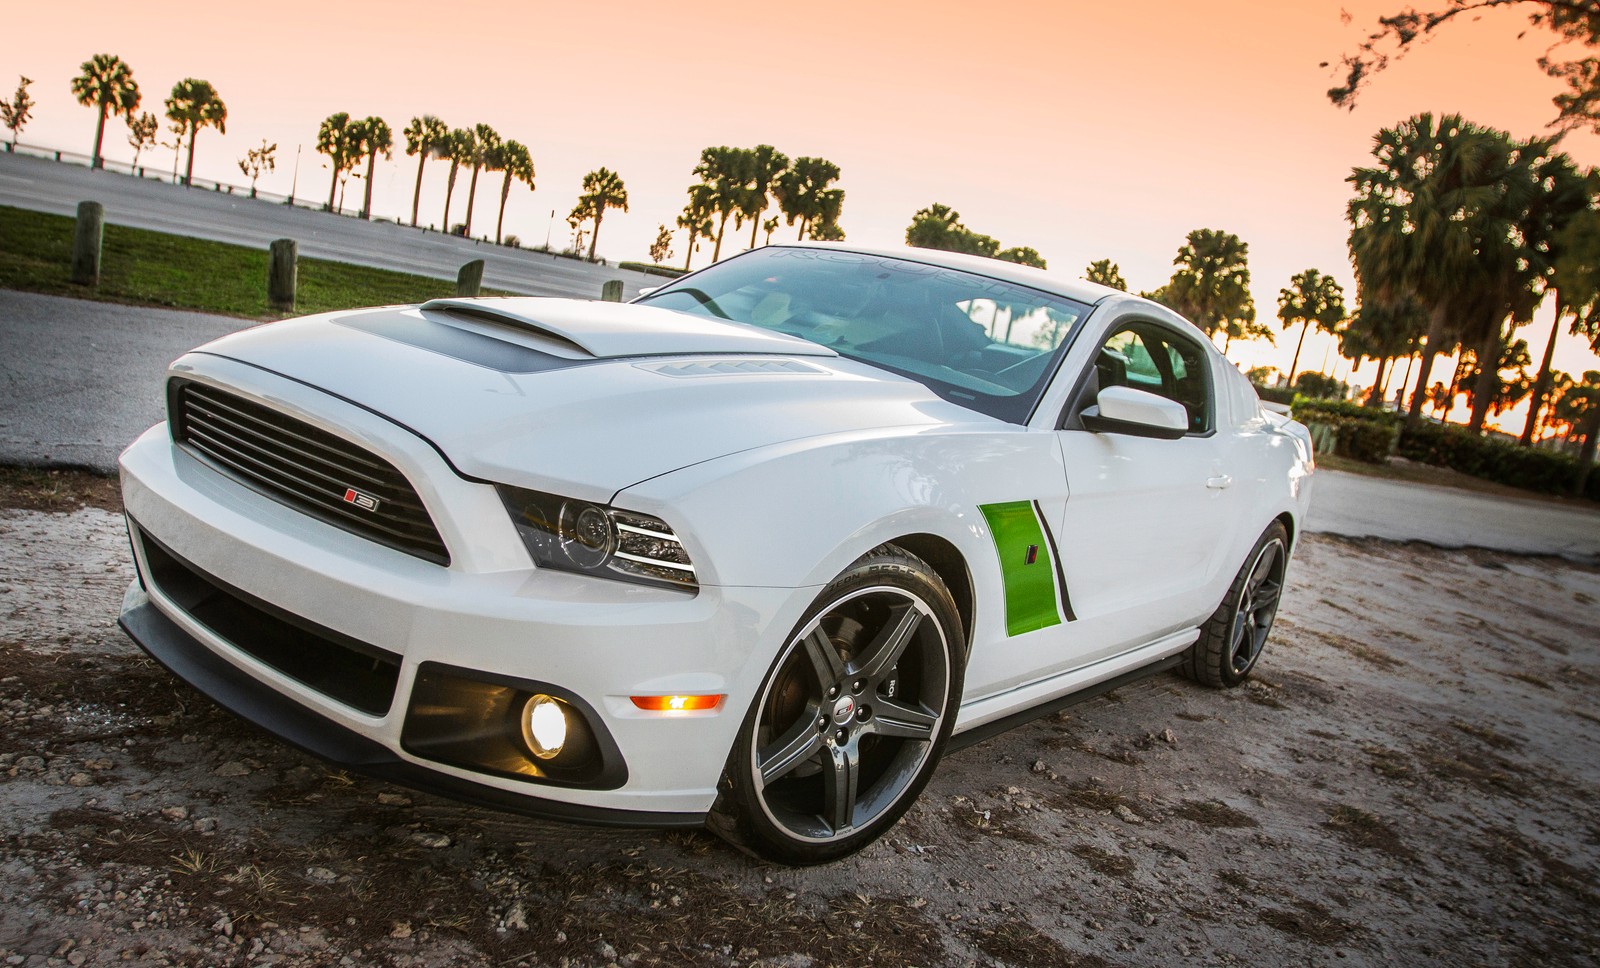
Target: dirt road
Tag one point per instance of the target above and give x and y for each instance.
(1411, 778)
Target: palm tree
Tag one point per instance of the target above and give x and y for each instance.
(762, 165)
(340, 139)
(1420, 216)
(1383, 332)
(1212, 284)
(106, 84)
(1106, 273)
(461, 147)
(1571, 264)
(424, 137)
(800, 191)
(485, 144)
(602, 189)
(1311, 298)
(376, 139)
(721, 171)
(517, 163)
(696, 217)
(194, 104)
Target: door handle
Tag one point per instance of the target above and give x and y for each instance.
(1219, 482)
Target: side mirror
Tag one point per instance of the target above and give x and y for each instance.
(645, 291)
(1124, 410)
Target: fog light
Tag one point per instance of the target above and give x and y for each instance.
(544, 726)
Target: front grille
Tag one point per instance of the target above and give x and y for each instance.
(303, 466)
(355, 673)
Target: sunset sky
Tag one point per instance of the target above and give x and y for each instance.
(1085, 130)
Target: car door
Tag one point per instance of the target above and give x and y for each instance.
(1146, 522)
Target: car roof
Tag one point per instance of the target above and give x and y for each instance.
(1053, 282)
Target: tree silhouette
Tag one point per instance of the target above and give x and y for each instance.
(141, 132)
(1106, 273)
(1311, 298)
(461, 148)
(762, 165)
(696, 217)
(511, 157)
(376, 138)
(106, 83)
(16, 112)
(425, 136)
(256, 161)
(939, 227)
(722, 171)
(803, 191)
(661, 248)
(1211, 285)
(194, 104)
(1571, 264)
(602, 189)
(340, 139)
(484, 146)
(1022, 255)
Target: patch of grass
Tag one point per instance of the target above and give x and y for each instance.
(37, 489)
(1214, 813)
(146, 268)
(1309, 921)
(1361, 829)
(1104, 861)
(1020, 943)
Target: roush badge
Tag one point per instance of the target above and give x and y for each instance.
(365, 502)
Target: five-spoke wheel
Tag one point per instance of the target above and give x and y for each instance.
(1232, 639)
(852, 717)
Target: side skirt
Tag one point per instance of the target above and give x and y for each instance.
(995, 727)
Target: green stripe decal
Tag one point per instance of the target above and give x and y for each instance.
(1030, 588)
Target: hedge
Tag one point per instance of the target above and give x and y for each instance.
(1308, 409)
(1282, 395)
(1495, 460)
(653, 270)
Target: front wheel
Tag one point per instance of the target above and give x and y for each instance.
(1232, 639)
(851, 720)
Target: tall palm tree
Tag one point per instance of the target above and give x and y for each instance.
(1311, 298)
(194, 104)
(485, 145)
(1106, 273)
(517, 163)
(106, 83)
(721, 170)
(762, 166)
(602, 189)
(340, 139)
(1571, 264)
(800, 190)
(1419, 217)
(1211, 285)
(376, 139)
(424, 136)
(696, 217)
(1383, 332)
(461, 148)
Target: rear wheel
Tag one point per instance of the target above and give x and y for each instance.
(1232, 639)
(851, 720)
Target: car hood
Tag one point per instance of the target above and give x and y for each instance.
(583, 398)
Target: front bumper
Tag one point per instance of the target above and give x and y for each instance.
(600, 640)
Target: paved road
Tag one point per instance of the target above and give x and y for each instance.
(82, 407)
(1360, 507)
(50, 186)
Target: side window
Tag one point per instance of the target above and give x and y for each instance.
(1158, 361)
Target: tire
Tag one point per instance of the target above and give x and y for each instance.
(851, 719)
(1231, 640)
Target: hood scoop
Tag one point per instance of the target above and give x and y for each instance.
(607, 330)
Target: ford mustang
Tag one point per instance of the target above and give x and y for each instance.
(750, 552)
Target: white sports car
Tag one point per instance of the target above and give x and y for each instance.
(751, 551)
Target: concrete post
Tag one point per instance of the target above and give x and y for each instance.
(611, 291)
(283, 275)
(86, 244)
(470, 279)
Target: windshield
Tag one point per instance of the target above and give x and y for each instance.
(978, 342)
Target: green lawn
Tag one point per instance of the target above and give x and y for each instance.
(155, 269)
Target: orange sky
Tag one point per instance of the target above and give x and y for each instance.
(1086, 130)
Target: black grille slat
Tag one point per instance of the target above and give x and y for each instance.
(227, 436)
(303, 466)
(216, 409)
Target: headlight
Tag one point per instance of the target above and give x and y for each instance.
(578, 536)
